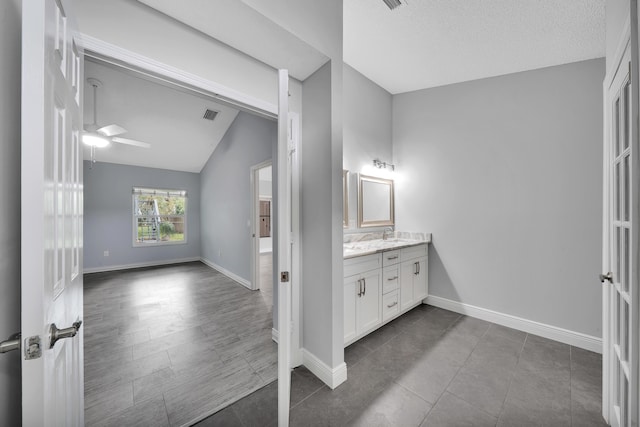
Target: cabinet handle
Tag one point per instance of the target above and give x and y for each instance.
(393, 304)
(392, 278)
(392, 257)
(415, 268)
(365, 287)
(359, 287)
(418, 264)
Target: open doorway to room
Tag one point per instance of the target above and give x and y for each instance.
(262, 202)
(173, 331)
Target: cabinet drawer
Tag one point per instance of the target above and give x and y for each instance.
(390, 277)
(390, 257)
(413, 252)
(361, 264)
(390, 305)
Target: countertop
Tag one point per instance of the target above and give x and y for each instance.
(356, 248)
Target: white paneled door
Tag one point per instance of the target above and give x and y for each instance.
(620, 384)
(51, 243)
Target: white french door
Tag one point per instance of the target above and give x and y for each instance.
(284, 249)
(620, 383)
(51, 230)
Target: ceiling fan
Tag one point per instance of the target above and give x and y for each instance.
(96, 136)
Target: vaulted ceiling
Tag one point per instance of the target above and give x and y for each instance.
(169, 119)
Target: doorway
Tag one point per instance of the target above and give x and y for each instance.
(250, 328)
(262, 199)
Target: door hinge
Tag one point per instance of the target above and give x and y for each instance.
(284, 276)
(32, 348)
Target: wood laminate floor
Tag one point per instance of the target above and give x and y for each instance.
(169, 345)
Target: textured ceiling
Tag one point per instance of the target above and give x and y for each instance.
(167, 118)
(427, 43)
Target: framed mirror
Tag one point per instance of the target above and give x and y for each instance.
(345, 198)
(375, 202)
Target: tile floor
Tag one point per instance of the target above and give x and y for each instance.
(432, 367)
(168, 345)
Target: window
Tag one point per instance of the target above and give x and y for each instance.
(159, 216)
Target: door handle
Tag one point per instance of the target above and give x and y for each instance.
(12, 343)
(392, 278)
(56, 334)
(606, 277)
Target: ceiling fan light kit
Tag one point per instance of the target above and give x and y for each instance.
(100, 137)
(392, 4)
(94, 139)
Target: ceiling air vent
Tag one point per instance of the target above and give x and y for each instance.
(210, 115)
(392, 3)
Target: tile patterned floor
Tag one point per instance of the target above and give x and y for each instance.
(167, 345)
(432, 367)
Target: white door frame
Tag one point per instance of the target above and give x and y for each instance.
(255, 221)
(107, 52)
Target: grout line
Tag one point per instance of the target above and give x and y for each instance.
(315, 392)
(233, 409)
(446, 389)
(166, 411)
(515, 368)
(571, 383)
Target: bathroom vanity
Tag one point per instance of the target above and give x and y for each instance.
(383, 278)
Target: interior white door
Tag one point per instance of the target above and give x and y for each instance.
(51, 251)
(284, 250)
(621, 292)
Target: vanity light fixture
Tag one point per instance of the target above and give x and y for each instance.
(383, 165)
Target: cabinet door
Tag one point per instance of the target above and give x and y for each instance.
(407, 274)
(369, 303)
(420, 280)
(351, 290)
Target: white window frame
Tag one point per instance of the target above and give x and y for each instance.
(157, 192)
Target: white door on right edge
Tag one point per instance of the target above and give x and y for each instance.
(620, 385)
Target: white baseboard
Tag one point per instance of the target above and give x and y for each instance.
(230, 275)
(332, 377)
(137, 265)
(566, 336)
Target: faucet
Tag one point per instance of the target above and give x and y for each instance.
(384, 232)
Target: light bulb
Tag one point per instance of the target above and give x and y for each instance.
(93, 139)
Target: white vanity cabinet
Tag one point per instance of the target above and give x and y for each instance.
(362, 296)
(382, 286)
(413, 276)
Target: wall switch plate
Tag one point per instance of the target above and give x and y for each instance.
(106, 253)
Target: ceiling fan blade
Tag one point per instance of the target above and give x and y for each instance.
(131, 142)
(112, 130)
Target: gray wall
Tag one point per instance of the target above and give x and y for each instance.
(225, 192)
(316, 212)
(506, 173)
(108, 214)
(10, 40)
(367, 121)
(367, 131)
